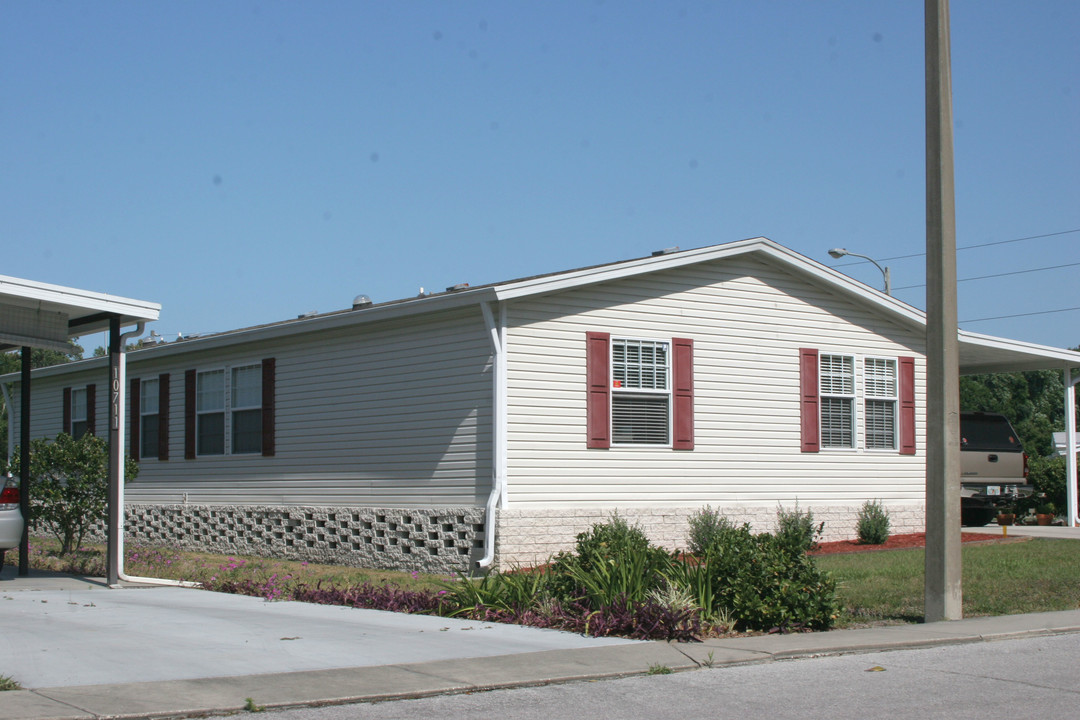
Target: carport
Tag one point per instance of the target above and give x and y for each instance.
(39, 315)
(987, 354)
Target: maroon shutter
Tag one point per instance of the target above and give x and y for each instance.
(135, 421)
(163, 417)
(598, 381)
(189, 414)
(808, 385)
(268, 370)
(907, 406)
(67, 411)
(91, 410)
(683, 394)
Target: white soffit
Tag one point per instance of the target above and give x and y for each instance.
(41, 315)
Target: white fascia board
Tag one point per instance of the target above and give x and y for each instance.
(73, 300)
(1005, 355)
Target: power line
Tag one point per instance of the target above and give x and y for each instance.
(969, 247)
(1005, 317)
(1014, 272)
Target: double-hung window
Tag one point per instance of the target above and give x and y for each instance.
(837, 387)
(854, 401)
(210, 412)
(879, 414)
(641, 392)
(79, 416)
(230, 410)
(149, 397)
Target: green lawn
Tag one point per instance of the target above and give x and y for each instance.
(1037, 575)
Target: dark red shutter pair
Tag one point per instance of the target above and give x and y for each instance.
(810, 421)
(598, 381)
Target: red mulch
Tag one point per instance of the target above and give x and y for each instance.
(895, 542)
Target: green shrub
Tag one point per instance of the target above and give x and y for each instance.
(1047, 478)
(796, 531)
(872, 525)
(757, 583)
(612, 560)
(69, 485)
(707, 528)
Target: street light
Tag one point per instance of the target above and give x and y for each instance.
(841, 252)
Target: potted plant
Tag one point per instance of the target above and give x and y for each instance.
(1044, 513)
(1006, 515)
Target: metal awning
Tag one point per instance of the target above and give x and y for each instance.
(39, 315)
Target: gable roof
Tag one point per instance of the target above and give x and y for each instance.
(978, 353)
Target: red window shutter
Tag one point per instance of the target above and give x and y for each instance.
(907, 406)
(808, 386)
(598, 381)
(91, 409)
(189, 414)
(67, 411)
(683, 394)
(163, 417)
(135, 422)
(268, 371)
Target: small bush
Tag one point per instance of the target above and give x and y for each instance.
(707, 528)
(796, 531)
(872, 525)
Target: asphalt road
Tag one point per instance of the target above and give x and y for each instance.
(1010, 679)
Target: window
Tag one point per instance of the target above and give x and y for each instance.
(210, 412)
(879, 416)
(230, 411)
(78, 413)
(148, 418)
(246, 409)
(641, 395)
(639, 392)
(835, 388)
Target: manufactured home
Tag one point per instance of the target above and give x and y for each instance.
(491, 424)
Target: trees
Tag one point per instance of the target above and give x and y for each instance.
(69, 488)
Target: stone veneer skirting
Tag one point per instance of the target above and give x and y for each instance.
(434, 540)
(530, 537)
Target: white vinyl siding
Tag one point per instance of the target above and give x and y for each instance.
(748, 321)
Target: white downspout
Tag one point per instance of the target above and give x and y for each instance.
(122, 421)
(498, 427)
(1070, 447)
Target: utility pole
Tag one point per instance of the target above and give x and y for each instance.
(943, 592)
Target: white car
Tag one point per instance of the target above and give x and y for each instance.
(11, 520)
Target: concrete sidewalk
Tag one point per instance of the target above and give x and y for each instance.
(146, 652)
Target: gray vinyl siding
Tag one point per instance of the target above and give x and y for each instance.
(394, 414)
(748, 321)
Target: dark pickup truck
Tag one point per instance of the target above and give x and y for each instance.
(993, 467)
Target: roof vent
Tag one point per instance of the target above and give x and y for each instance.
(309, 313)
(459, 286)
(665, 251)
(361, 301)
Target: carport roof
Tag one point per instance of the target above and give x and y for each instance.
(40, 315)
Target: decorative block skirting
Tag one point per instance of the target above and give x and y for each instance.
(531, 537)
(435, 540)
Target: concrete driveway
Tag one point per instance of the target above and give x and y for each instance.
(58, 631)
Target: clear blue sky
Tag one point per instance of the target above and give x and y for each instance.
(244, 162)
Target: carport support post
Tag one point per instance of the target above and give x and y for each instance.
(116, 454)
(943, 593)
(24, 462)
